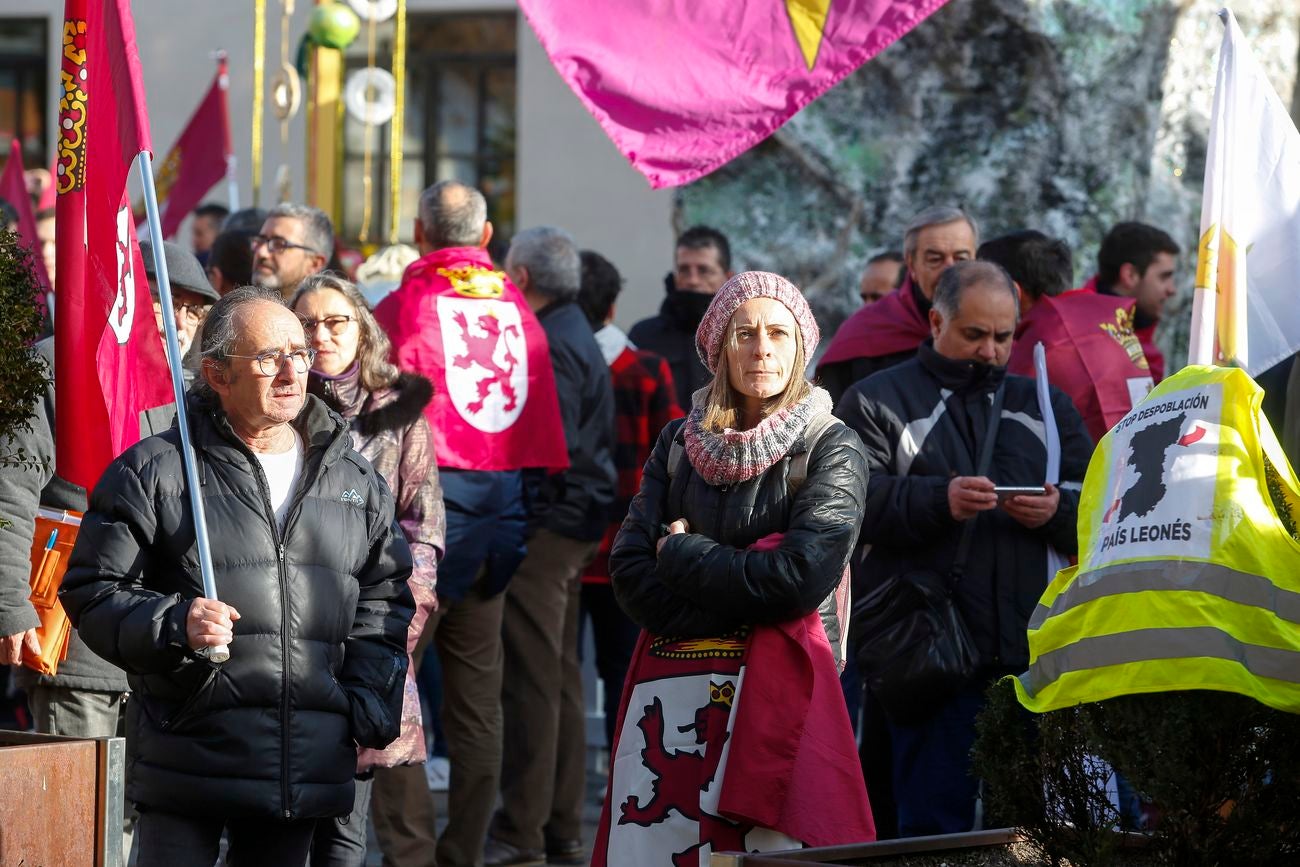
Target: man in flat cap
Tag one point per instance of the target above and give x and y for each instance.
(192, 294)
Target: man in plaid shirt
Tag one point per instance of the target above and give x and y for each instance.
(644, 401)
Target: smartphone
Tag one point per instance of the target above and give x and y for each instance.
(1005, 492)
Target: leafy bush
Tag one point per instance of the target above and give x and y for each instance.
(1222, 771)
(22, 373)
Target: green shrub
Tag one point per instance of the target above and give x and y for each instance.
(22, 373)
(1222, 771)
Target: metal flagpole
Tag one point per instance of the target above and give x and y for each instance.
(218, 653)
(232, 184)
(232, 181)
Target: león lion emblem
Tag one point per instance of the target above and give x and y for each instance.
(680, 776)
(486, 360)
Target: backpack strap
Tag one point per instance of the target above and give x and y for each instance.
(676, 454)
(798, 471)
(678, 473)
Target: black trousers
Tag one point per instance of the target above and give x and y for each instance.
(615, 636)
(171, 840)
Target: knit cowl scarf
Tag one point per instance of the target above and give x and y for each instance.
(730, 456)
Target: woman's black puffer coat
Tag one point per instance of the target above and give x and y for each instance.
(318, 660)
(704, 582)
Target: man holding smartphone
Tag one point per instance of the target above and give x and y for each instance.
(925, 424)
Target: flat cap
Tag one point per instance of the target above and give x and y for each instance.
(183, 270)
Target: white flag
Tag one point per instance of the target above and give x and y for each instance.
(1249, 254)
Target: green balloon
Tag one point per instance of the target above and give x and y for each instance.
(334, 25)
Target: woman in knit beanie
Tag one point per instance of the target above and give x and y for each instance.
(748, 511)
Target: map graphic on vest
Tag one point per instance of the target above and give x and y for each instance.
(1169, 443)
(1150, 449)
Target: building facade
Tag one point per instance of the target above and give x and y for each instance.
(483, 105)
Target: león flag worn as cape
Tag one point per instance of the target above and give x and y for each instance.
(461, 323)
(1093, 354)
(109, 361)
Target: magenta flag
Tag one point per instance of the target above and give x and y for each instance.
(13, 189)
(684, 87)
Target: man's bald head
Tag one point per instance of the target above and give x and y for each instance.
(452, 214)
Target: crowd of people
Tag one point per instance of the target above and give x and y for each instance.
(472, 471)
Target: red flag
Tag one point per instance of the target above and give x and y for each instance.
(109, 361)
(13, 189)
(198, 159)
(458, 321)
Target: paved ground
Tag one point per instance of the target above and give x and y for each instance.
(596, 781)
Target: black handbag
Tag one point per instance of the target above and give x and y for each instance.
(914, 649)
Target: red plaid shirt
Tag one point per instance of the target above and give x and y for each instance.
(644, 402)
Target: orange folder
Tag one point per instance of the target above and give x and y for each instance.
(56, 532)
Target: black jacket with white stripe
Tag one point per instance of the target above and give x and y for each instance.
(924, 422)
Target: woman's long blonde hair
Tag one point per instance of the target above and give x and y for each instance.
(722, 404)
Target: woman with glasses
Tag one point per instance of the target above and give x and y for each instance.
(385, 408)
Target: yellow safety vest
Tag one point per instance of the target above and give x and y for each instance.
(1189, 558)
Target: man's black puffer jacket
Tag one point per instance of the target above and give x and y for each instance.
(318, 661)
(704, 582)
(924, 422)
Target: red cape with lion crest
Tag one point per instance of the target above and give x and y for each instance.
(462, 324)
(1093, 354)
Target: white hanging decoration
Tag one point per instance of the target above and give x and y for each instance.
(377, 11)
(286, 93)
(370, 95)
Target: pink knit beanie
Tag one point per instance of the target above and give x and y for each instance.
(738, 290)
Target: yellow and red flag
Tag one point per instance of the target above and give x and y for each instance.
(109, 362)
(1250, 220)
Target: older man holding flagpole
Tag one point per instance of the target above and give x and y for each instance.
(258, 745)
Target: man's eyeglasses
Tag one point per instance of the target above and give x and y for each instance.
(184, 309)
(191, 311)
(275, 245)
(335, 324)
(271, 363)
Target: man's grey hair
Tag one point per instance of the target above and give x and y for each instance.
(551, 257)
(453, 215)
(219, 334)
(963, 275)
(318, 229)
(938, 215)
